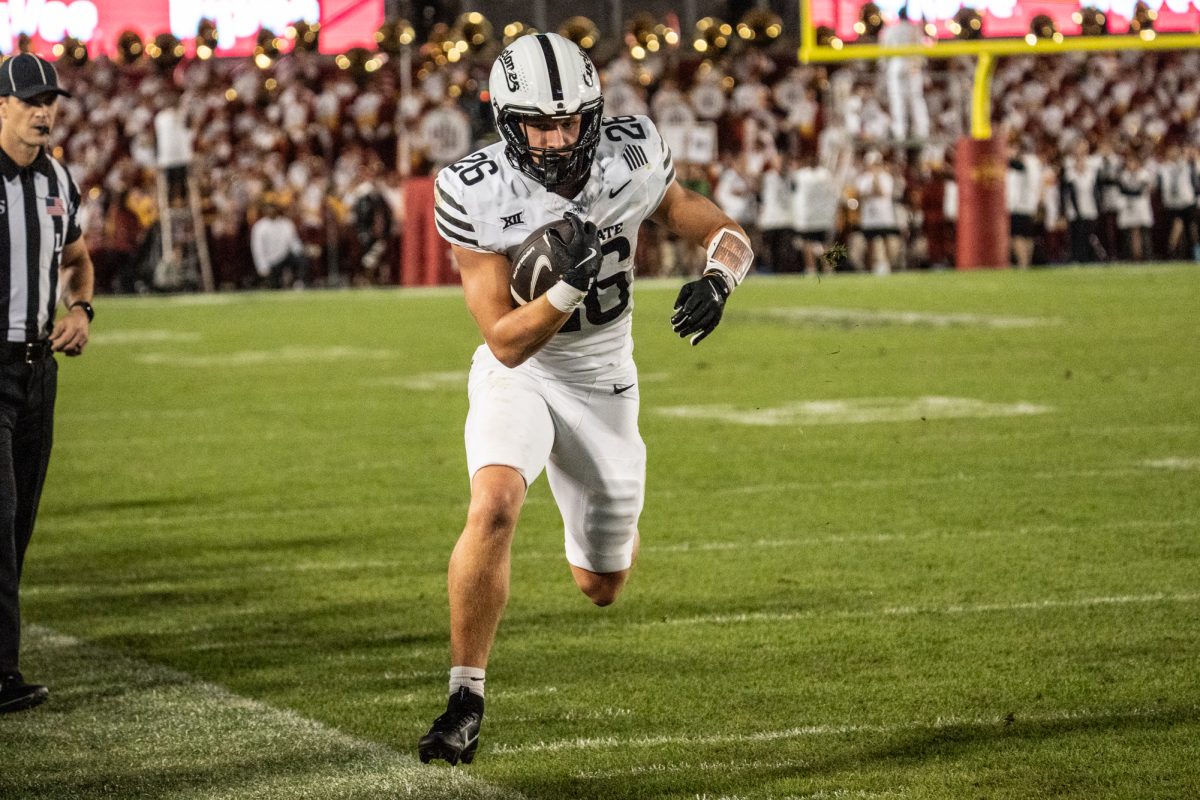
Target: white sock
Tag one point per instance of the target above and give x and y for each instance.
(470, 677)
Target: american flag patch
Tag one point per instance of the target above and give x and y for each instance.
(55, 207)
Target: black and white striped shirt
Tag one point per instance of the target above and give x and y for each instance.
(39, 211)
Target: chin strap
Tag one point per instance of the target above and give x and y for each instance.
(729, 257)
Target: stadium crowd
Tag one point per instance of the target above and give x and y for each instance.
(1105, 159)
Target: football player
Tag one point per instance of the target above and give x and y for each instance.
(554, 385)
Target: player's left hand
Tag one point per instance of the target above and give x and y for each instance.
(70, 334)
(699, 307)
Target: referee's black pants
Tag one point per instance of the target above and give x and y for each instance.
(27, 393)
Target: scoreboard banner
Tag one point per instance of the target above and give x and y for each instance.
(99, 23)
(1008, 18)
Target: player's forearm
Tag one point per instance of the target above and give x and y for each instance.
(696, 219)
(522, 332)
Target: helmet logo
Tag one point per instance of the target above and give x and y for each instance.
(589, 75)
(510, 71)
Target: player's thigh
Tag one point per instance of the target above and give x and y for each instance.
(508, 423)
(597, 471)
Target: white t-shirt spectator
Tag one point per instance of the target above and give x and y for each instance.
(877, 206)
(902, 33)
(1079, 189)
(1023, 187)
(1136, 210)
(271, 241)
(775, 208)
(173, 141)
(814, 200)
(735, 196)
(1176, 180)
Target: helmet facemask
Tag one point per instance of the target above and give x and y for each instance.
(551, 167)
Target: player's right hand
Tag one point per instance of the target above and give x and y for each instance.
(581, 257)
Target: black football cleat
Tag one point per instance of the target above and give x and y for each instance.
(17, 695)
(455, 734)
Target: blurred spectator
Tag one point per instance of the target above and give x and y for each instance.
(372, 225)
(814, 210)
(1023, 194)
(906, 80)
(1081, 204)
(1136, 215)
(1111, 199)
(1053, 223)
(1177, 180)
(173, 147)
(775, 218)
(877, 190)
(445, 134)
(277, 249)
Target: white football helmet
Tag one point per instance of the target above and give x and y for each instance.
(544, 75)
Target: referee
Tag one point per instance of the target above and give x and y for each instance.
(42, 258)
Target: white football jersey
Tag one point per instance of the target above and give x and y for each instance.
(485, 204)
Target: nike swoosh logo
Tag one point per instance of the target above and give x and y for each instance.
(622, 389)
(470, 741)
(614, 192)
(540, 264)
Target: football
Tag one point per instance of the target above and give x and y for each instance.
(533, 268)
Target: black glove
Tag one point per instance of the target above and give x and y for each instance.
(699, 306)
(581, 257)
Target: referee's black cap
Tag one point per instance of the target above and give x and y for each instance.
(27, 75)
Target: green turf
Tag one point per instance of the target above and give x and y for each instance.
(260, 494)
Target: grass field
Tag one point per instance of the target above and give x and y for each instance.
(933, 536)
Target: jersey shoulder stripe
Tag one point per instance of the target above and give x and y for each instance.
(446, 199)
(634, 151)
(447, 217)
(463, 195)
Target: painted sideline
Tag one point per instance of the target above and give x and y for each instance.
(132, 728)
(807, 731)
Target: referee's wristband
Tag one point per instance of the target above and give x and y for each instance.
(565, 297)
(86, 306)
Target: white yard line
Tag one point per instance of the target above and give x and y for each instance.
(1173, 463)
(934, 480)
(910, 611)
(855, 411)
(811, 731)
(108, 338)
(691, 767)
(934, 319)
(186, 713)
(256, 358)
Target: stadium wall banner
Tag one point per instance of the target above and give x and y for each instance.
(1003, 18)
(99, 23)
